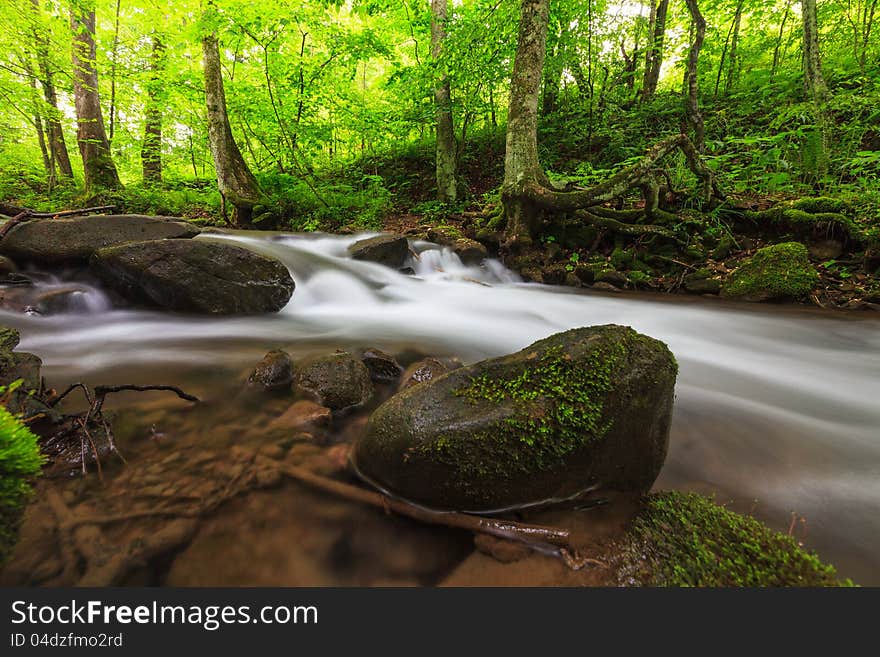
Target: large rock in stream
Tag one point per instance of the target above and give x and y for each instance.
(585, 408)
(195, 276)
(75, 239)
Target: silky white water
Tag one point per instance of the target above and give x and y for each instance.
(777, 411)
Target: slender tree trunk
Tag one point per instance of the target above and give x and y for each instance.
(151, 149)
(48, 160)
(98, 167)
(733, 63)
(692, 103)
(654, 52)
(237, 184)
(447, 190)
(814, 84)
(779, 39)
(521, 165)
(53, 128)
(113, 55)
(550, 101)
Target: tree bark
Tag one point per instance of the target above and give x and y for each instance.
(447, 188)
(54, 130)
(814, 83)
(98, 167)
(692, 104)
(151, 149)
(237, 184)
(522, 168)
(733, 62)
(778, 44)
(654, 52)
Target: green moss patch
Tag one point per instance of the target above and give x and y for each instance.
(685, 539)
(774, 272)
(20, 460)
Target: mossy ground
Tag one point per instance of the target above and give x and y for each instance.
(774, 272)
(685, 539)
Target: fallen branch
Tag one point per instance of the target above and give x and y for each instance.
(534, 535)
(20, 215)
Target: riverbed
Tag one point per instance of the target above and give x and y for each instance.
(777, 409)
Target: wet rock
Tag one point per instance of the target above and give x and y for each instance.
(872, 258)
(197, 276)
(602, 286)
(75, 239)
(7, 266)
(615, 278)
(72, 298)
(383, 367)
(421, 371)
(388, 250)
(337, 380)
(586, 275)
(554, 274)
(302, 415)
(586, 407)
(775, 272)
(826, 250)
(471, 252)
(500, 549)
(273, 373)
(702, 282)
(725, 247)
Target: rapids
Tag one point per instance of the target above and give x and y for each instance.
(777, 410)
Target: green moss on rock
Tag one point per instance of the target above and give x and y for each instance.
(685, 539)
(821, 204)
(774, 272)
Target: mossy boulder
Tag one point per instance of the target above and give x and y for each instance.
(337, 381)
(388, 250)
(807, 218)
(685, 539)
(584, 408)
(75, 239)
(195, 276)
(781, 271)
(702, 281)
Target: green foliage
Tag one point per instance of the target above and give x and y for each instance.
(685, 539)
(20, 461)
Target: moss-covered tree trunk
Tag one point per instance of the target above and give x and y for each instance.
(654, 52)
(151, 148)
(522, 169)
(447, 189)
(98, 167)
(237, 184)
(815, 87)
(692, 103)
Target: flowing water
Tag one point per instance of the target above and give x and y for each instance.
(777, 410)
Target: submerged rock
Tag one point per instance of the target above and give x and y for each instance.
(337, 380)
(196, 276)
(75, 239)
(584, 408)
(388, 250)
(781, 271)
(274, 372)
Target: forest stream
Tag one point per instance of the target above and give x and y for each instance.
(776, 408)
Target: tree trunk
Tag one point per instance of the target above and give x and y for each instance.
(733, 63)
(237, 184)
(654, 52)
(814, 84)
(54, 130)
(550, 101)
(447, 190)
(151, 149)
(521, 165)
(779, 39)
(98, 167)
(692, 104)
